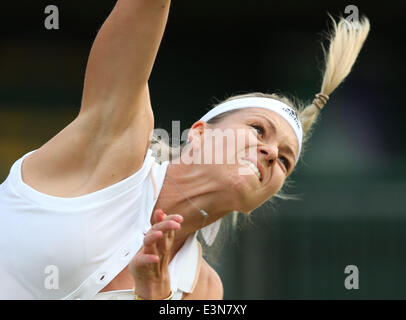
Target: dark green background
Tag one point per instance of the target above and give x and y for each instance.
(351, 179)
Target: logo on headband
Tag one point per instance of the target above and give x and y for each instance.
(293, 115)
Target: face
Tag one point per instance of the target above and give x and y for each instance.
(256, 151)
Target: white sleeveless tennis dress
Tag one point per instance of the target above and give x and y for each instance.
(71, 248)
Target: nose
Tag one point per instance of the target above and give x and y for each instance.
(268, 152)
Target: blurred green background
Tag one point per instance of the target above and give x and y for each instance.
(352, 179)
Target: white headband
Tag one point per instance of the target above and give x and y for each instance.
(277, 106)
(209, 232)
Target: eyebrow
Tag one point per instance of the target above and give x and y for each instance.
(285, 147)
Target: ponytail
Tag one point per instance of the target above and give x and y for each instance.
(346, 41)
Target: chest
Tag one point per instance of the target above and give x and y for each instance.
(61, 249)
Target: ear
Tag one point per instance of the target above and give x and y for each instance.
(196, 131)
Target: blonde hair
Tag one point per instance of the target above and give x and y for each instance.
(345, 42)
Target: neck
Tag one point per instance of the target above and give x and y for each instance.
(191, 182)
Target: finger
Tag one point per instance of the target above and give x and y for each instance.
(171, 235)
(146, 259)
(159, 215)
(156, 242)
(166, 226)
(152, 236)
(164, 247)
(151, 248)
(175, 217)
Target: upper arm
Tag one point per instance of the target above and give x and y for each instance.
(209, 285)
(216, 290)
(122, 57)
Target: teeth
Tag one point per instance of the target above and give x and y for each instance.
(252, 166)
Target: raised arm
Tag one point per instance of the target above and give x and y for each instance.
(121, 60)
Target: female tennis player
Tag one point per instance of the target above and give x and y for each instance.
(92, 214)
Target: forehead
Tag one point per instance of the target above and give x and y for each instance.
(283, 128)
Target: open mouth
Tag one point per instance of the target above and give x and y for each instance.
(252, 166)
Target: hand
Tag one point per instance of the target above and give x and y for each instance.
(149, 267)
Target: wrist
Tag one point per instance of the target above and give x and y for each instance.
(151, 290)
(168, 296)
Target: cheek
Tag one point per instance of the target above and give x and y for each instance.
(219, 150)
(265, 194)
(229, 144)
(276, 182)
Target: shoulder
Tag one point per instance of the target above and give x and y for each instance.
(209, 285)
